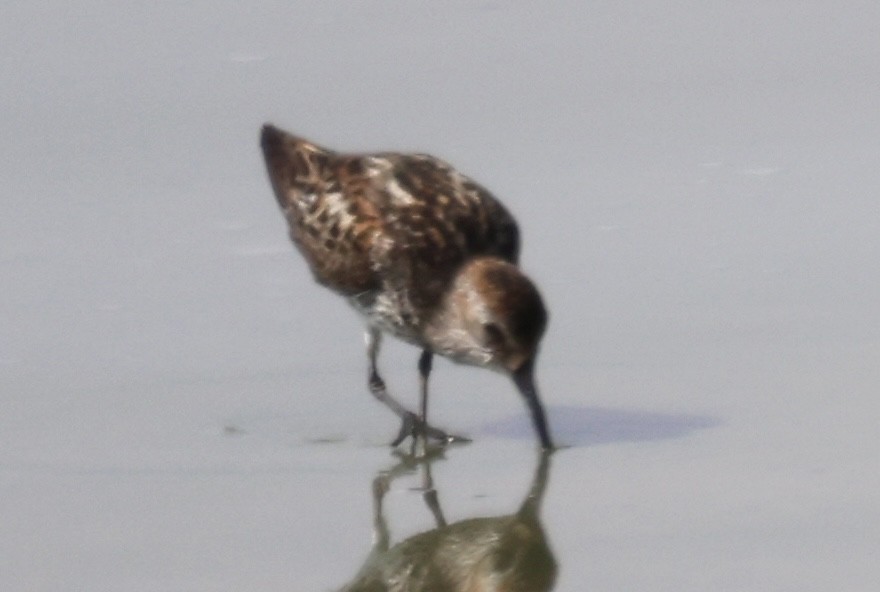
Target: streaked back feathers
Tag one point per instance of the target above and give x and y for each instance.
(361, 219)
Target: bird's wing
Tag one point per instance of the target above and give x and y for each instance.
(433, 220)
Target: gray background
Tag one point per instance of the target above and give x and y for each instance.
(183, 409)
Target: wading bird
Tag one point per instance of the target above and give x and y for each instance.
(422, 252)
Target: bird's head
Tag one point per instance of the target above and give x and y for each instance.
(493, 316)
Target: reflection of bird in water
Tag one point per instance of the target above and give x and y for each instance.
(422, 252)
(505, 553)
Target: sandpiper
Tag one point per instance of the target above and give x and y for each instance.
(422, 252)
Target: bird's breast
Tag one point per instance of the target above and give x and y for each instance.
(389, 313)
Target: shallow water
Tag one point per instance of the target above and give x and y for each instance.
(183, 409)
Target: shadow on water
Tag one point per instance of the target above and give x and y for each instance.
(590, 426)
(491, 553)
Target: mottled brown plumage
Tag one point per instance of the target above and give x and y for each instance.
(422, 251)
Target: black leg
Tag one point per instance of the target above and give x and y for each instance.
(425, 363)
(408, 419)
(377, 385)
(410, 422)
(420, 439)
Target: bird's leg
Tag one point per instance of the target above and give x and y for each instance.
(410, 421)
(377, 385)
(425, 365)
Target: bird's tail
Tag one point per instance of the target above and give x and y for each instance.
(294, 164)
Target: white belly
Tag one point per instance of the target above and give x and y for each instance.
(386, 314)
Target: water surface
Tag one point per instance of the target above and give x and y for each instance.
(183, 409)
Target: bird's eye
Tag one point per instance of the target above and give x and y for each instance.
(494, 334)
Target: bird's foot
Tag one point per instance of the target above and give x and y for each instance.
(412, 425)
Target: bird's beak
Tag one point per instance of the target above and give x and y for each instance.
(524, 379)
